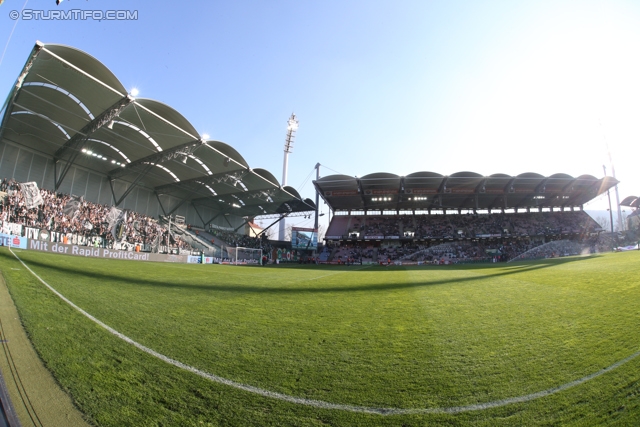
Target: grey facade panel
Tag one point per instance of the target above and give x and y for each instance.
(79, 185)
(8, 163)
(48, 181)
(93, 187)
(38, 168)
(104, 197)
(65, 186)
(23, 165)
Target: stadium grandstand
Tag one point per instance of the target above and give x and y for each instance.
(71, 133)
(464, 217)
(85, 161)
(633, 219)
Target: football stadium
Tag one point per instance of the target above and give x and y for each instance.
(138, 289)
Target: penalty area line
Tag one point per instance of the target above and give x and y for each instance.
(329, 405)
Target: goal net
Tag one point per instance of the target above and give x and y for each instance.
(243, 256)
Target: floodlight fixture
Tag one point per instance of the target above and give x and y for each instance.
(292, 123)
(292, 127)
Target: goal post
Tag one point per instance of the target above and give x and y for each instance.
(244, 256)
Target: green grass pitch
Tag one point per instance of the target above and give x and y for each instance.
(424, 338)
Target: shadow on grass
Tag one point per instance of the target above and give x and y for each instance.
(71, 273)
(461, 266)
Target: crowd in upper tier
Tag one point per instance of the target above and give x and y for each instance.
(85, 220)
(481, 250)
(466, 237)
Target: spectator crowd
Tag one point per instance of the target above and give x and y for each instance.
(64, 215)
(466, 237)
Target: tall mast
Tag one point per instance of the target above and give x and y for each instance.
(292, 127)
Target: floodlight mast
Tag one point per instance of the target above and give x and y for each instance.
(292, 127)
(315, 225)
(609, 196)
(613, 173)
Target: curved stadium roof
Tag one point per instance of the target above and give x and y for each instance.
(70, 107)
(461, 190)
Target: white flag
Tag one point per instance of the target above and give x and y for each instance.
(31, 194)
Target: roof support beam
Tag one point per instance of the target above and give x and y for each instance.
(76, 142)
(569, 185)
(206, 179)
(443, 187)
(205, 223)
(400, 194)
(238, 228)
(213, 218)
(178, 205)
(185, 149)
(540, 188)
(509, 187)
(482, 186)
(159, 202)
(361, 192)
(228, 222)
(198, 213)
(283, 216)
(113, 193)
(131, 186)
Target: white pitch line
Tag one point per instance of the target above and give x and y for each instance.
(329, 405)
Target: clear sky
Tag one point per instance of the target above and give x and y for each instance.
(378, 86)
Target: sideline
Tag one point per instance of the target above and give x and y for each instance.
(35, 394)
(328, 405)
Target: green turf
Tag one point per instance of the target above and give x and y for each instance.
(399, 337)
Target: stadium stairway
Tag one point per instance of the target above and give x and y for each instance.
(191, 238)
(219, 246)
(334, 251)
(324, 255)
(201, 241)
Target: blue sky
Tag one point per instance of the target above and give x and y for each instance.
(403, 86)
